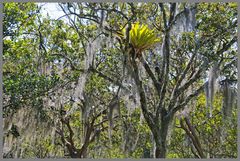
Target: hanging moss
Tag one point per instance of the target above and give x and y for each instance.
(212, 77)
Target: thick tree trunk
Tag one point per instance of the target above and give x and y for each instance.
(161, 149)
(161, 138)
(160, 152)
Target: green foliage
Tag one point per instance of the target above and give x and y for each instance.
(217, 135)
(44, 59)
(16, 16)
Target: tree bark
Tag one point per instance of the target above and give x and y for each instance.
(161, 146)
(161, 136)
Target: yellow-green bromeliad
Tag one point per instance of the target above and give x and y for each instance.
(141, 37)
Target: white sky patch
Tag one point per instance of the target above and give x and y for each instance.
(51, 9)
(55, 12)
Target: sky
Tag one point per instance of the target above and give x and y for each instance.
(52, 9)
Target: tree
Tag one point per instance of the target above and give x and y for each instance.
(111, 71)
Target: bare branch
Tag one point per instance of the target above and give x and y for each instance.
(150, 73)
(147, 115)
(188, 98)
(172, 12)
(193, 79)
(179, 81)
(191, 133)
(164, 15)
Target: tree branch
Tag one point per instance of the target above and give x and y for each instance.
(150, 73)
(172, 12)
(147, 115)
(164, 15)
(179, 81)
(188, 98)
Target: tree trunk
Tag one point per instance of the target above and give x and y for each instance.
(160, 151)
(161, 148)
(161, 139)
